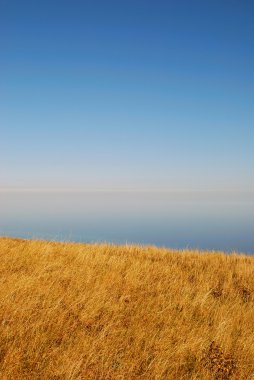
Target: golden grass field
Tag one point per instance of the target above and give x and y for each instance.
(79, 311)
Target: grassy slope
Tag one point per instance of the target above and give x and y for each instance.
(73, 311)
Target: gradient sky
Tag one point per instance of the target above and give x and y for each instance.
(127, 94)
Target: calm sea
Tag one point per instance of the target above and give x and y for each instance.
(203, 220)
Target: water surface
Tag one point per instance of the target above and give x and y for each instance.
(203, 220)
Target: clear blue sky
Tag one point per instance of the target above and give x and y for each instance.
(127, 94)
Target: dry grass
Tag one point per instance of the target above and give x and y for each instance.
(76, 311)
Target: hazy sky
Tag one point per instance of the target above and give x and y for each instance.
(127, 94)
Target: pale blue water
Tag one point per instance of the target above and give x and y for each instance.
(216, 221)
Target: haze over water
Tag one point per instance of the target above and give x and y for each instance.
(203, 220)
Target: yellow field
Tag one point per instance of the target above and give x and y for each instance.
(78, 311)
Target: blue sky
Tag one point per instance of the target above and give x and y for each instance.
(127, 94)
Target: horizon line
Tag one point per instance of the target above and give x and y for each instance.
(119, 190)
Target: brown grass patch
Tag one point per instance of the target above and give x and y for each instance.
(86, 312)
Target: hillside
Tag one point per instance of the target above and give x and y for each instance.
(79, 311)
